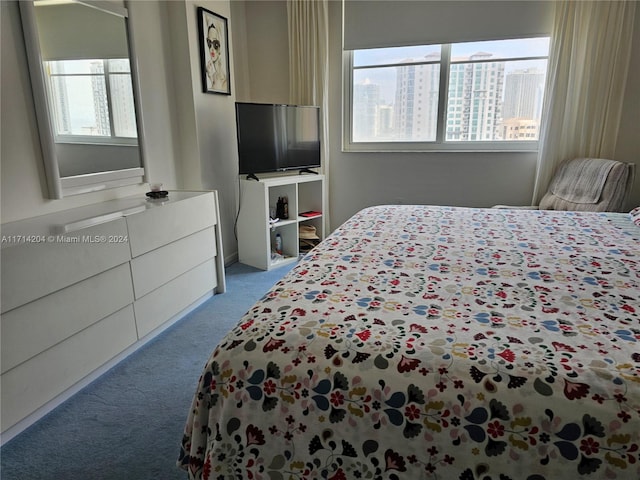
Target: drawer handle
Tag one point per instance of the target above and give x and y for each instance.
(97, 220)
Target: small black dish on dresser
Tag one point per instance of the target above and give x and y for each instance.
(158, 194)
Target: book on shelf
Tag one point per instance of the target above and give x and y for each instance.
(310, 214)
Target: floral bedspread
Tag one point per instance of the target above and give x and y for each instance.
(435, 343)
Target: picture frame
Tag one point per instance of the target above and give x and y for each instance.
(214, 52)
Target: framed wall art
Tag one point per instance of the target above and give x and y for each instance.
(214, 52)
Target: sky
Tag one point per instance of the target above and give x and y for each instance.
(501, 49)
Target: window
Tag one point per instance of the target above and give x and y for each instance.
(101, 109)
(472, 96)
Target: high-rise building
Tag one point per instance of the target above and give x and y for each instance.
(475, 99)
(101, 126)
(474, 104)
(520, 129)
(385, 121)
(480, 104)
(122, 106)
(366, 98)
(416, 100)
(523, 94)
(58, 90)
(404, 101)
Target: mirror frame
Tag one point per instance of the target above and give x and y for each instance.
(59, 187)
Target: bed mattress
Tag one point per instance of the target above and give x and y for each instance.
(425, 342)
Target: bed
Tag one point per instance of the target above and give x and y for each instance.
(423, 342)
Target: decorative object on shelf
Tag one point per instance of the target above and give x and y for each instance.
(273, 221)
(310, 214)
(282, 208)
(278, 243)
(214, 52)
(308, 237)
(156, 191)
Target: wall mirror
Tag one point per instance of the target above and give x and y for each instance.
(84, 81)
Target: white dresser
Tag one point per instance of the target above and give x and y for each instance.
(85, 287)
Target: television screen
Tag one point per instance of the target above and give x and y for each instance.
(274, 138)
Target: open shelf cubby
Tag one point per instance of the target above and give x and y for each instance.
(258, 199)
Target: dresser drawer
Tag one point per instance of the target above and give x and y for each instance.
(33, 270)
(40, 379)
(159, 266)
(157, 307)
(75, 301)
(162, 225)
(41, 324)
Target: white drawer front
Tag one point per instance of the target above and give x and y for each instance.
(157, 307)
(159, 266)
(39, 380)
(33, 270)
(38, 325)
(158, 226)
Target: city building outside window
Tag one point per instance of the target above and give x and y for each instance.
(468, 96)
(101, 108)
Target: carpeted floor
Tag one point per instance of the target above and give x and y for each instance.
(128, 424)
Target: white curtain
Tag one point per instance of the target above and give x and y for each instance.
(308, 22)
(588, 65)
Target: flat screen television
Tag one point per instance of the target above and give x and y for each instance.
(277, 138)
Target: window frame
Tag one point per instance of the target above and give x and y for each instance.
(439, 144)
(106, 75)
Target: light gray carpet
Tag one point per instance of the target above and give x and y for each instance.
(128, 424)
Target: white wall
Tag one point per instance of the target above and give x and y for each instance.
(263, 61)
(216, 127)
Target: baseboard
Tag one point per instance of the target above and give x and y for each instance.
(229, 259)
(51, 405)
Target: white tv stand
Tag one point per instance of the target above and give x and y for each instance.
(256, 236)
